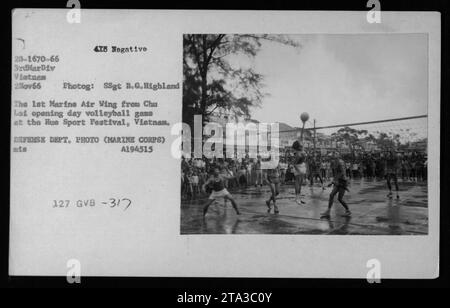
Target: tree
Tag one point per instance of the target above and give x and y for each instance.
(388, 141)
(211, 81)
(350, 136)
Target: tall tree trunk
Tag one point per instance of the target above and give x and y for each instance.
(204, 96)
(204, 75)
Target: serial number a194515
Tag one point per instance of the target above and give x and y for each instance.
(123, 203)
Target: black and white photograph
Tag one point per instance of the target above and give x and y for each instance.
(165, 146)
(351, 117)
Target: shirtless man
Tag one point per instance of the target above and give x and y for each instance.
(217, 183)
(340, 186)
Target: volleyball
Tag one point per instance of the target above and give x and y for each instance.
(304, 116)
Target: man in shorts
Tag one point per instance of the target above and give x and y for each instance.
(393, 167)
(259, 172)
(273, 181)
(299, 168)
(340, 186)
(217, 184)
(283, 168)
(314, 171)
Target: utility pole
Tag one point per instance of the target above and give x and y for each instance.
(314, 140)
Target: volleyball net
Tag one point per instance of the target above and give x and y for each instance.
(400, 134)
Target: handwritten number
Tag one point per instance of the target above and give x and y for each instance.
(129, 203)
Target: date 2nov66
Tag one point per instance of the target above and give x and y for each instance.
(120, 203)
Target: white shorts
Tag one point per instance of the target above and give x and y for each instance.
(219, 194)
(302, 168)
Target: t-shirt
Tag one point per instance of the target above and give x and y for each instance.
(194, 179)
(392, 164)
(339, 169)
(258, 165)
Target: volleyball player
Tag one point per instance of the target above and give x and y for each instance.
(393, 167)
(340, 186)
(273, 181)
(217, 183)
(299, 166)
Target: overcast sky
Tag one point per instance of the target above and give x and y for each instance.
(341, 79)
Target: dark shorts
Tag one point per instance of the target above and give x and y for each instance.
(273, 180)
(391, 174)
(342, 184)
